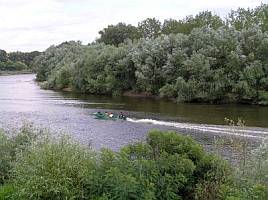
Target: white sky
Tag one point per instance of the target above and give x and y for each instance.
(27, 25)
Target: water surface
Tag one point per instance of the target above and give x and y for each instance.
(21, 99)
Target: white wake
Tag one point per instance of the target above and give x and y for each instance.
(238, 131)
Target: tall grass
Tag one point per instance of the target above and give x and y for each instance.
(11, 146)
(250, 174)
(252, 178)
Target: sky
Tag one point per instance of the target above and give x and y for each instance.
(28, 25)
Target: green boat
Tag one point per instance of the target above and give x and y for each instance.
(106, 116)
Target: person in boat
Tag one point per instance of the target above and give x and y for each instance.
(121, 116)
(111, 115)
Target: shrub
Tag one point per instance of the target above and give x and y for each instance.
(166, 166)
(10, 146)
(5, 157)
(44, 85)
(167, 91)
(6, 191)
(263, 98)
(208, 170)
(53, 169)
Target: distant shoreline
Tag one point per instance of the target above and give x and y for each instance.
(7, 73)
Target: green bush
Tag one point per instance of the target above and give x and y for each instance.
(167, 166)
(5, 157)
(6, 191)
(11, 146)
(53, 169)
(44, 85)
(263, 98)
(12, 66)
(167, 91)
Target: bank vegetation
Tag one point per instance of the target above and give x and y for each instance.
(200, 58)
(35, 165)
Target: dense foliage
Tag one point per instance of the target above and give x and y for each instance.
(17, 61)
(10, 146)
(201, 58)
(117, 34)
(166, 166)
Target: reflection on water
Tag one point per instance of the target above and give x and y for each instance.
(21, 93)
(22, 99)
(256, 116)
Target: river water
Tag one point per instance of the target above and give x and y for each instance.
(22, 100)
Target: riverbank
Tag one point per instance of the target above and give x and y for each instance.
(165, 166)
(226, 101)
(130, 93)
(7, 73)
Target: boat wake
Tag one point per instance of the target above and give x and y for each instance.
(249, 132)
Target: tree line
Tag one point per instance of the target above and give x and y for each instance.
(201, 58)
(16, 61)
(152, 28)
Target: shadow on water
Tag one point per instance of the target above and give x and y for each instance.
(255, 116)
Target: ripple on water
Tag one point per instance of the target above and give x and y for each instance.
(22, 100)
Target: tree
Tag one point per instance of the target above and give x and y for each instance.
(171, 26)
(149, 57)
(203, 19)
(199, 58)
(241, 18)
(55, 57)
(3, 56)
(208, 20)
(26, 58)
(246, 18)
(252, 80)
(262, 15)
(150, 28)
(117, 34)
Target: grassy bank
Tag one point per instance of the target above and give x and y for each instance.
(34, 165)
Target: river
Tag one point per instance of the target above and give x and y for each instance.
(22, 100)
